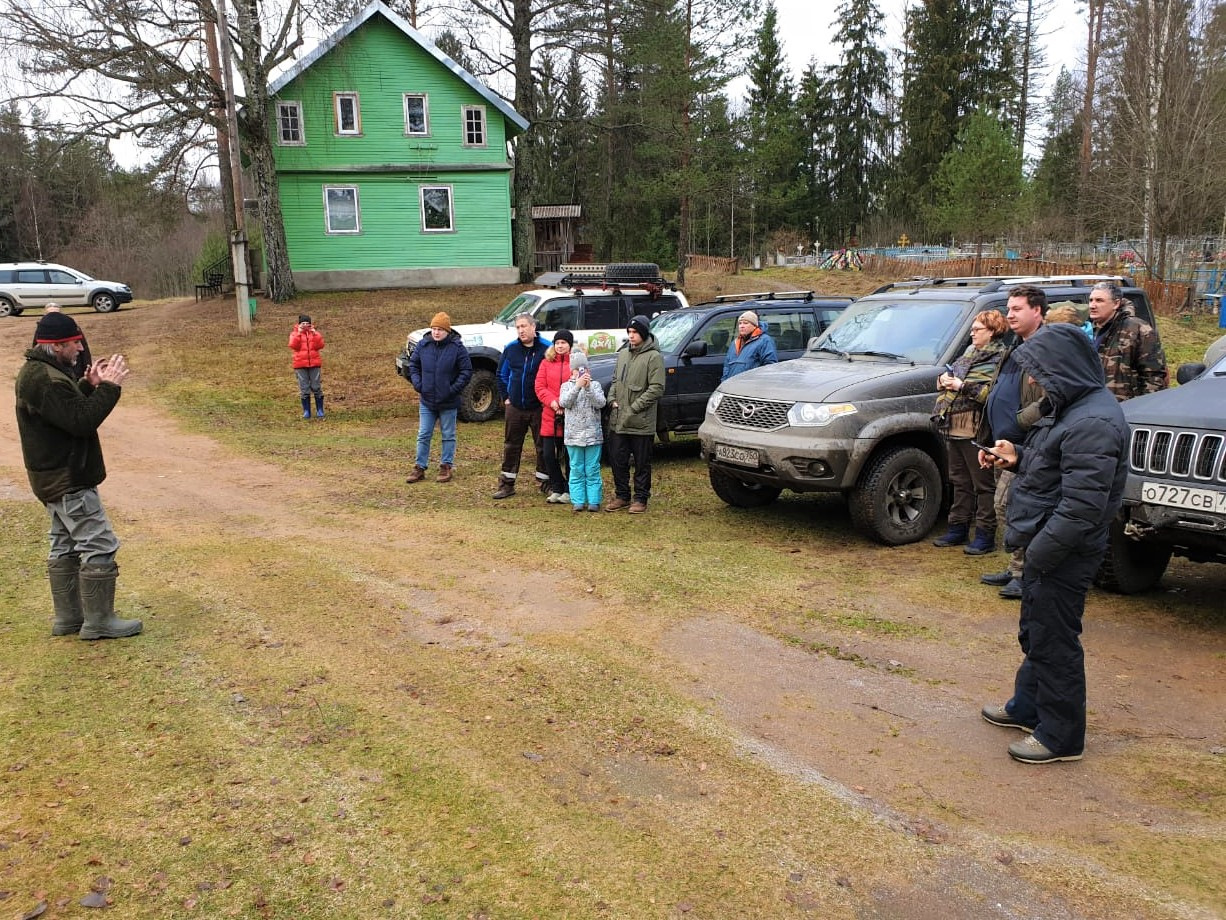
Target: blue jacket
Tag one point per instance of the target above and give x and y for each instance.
(439, 371)
(759, 350)
(517, 372)
(1072, 467)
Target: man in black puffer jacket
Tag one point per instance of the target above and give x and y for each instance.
(1070, 478)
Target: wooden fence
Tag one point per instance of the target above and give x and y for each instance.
(1167, 297)
(713, 264)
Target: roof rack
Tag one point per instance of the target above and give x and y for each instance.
(1072, 279)
(766, 295)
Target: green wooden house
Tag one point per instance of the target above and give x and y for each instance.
(392, 163)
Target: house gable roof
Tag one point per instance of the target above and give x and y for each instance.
(378, 8)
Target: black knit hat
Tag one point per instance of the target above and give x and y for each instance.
(564, 335)
(640, 324)
(56, 327)
(303, 318)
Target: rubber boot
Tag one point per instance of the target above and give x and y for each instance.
(955, 536)
(65, 595)
(319, 405)
(984, 543)
(98, 604)
(306, 407)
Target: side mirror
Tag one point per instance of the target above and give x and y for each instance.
(1189, 372)
(696, 349)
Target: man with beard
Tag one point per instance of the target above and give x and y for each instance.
(58, 419)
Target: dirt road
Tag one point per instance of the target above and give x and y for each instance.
(890, 728)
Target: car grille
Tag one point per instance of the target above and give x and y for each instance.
(1186, 454)
(763, 414)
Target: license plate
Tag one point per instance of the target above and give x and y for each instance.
(743, 456)
(1160, 493)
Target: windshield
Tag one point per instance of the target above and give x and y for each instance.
(672, 329)
(524, 303)
(913, 330)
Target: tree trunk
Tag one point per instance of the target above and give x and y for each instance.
(255, 131)
(525, 104)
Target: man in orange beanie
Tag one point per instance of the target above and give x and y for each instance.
(439, 369)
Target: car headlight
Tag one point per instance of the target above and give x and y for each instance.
(817, 415)
(714, 400)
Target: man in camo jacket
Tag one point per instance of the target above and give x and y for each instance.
(1128, 346)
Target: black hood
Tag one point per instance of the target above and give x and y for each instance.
(1063, 360)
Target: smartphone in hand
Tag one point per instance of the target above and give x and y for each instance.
(990, 451)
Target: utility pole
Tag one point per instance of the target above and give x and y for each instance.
(238, 238)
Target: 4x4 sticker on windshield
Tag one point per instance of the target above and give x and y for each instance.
(601, 343)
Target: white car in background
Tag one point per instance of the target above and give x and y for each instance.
(33, 285)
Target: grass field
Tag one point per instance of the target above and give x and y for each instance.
(357, 698)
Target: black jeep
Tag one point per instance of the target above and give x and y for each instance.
(1175, 499)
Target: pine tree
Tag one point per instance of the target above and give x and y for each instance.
(961, 56)
(978, 183)
(859, 87)
(776, 145)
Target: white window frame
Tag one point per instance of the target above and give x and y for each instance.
(284, 106)
(425, 111)
(357, 211)
(337, 99)
(421, 195)
(479, 111)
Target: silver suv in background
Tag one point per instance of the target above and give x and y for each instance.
(33, 285)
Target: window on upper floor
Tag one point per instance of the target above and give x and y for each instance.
(341, 209)
(416, 114)
(289, 124)
(474, 126)
(436, 216)
(348, 115)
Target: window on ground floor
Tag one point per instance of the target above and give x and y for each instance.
(436, 216)
(341, 209)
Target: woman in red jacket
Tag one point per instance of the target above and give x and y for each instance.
(554, 371)
(306, 343)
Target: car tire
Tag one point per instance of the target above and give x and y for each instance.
(1131, 566)
(104, 302)
(479, 401)
(8, 308)
(898, 498)
(741, 494)
(632, 272)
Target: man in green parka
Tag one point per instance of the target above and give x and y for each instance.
(58, 419)
(638, 384)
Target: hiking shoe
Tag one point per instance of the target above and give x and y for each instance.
(444, 473)
(575, 509)
(998, 715)
(593, 507)
(1031, 750)
(418, 474)
(505, 490)
(637, 507)
(617, 504)
(996, 579)
(1013, 590)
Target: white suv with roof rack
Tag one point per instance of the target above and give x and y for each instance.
(595, 302)
(33, 285)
